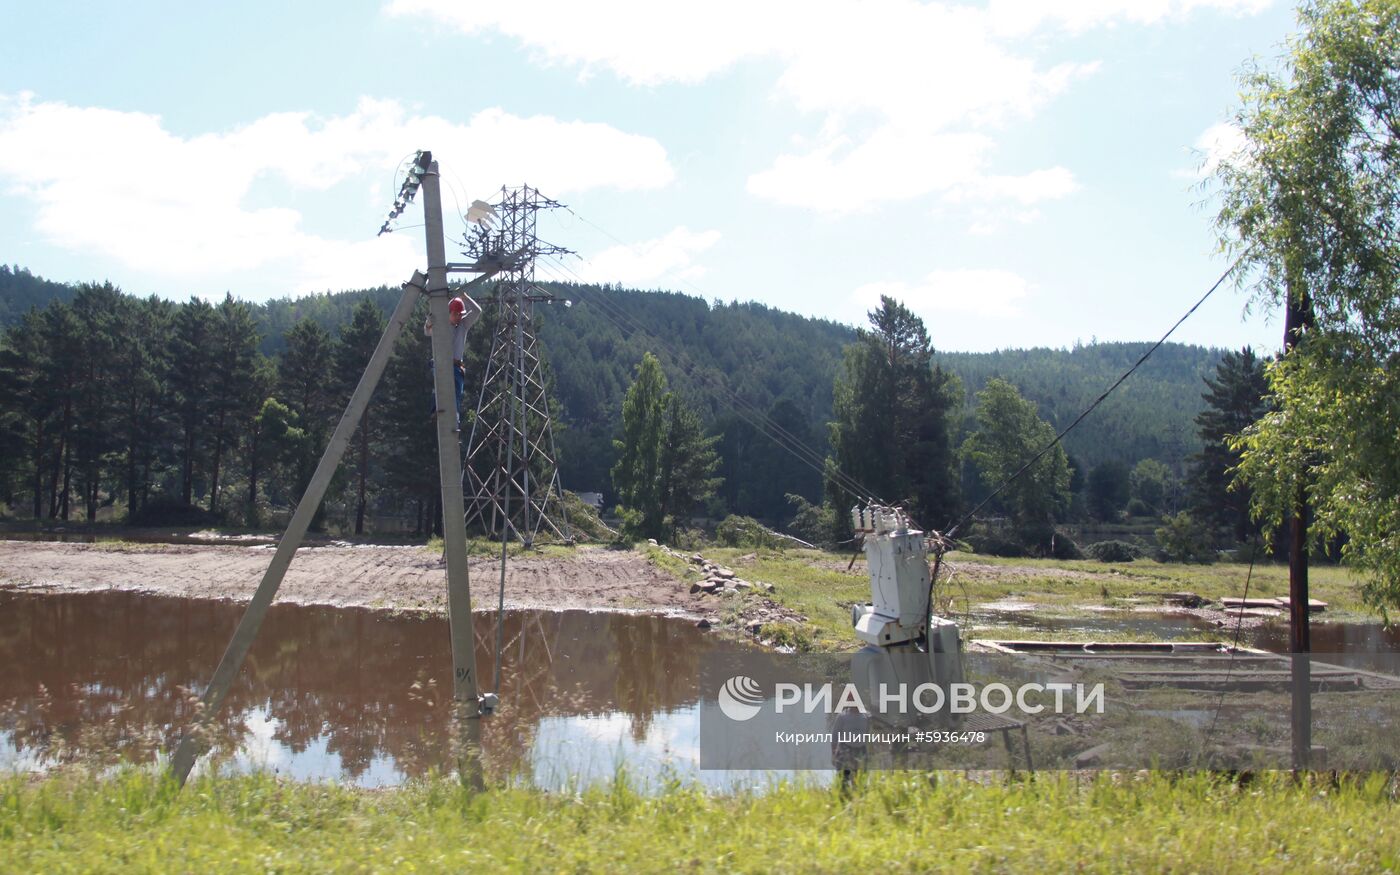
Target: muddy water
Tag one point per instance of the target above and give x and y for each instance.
(349, 694)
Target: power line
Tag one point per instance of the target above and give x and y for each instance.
(1097, 401)
(750, 413)
(1235, 647)
(813, 458)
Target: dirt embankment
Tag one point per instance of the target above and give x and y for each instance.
(362, 575)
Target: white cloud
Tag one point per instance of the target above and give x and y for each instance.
(1218, 144)
(120, 184)
(987, 293)
(909, 94)
(890, 165)
(670, 257)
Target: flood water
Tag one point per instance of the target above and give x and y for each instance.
(350, 694)
(1364, 645)
(1115, 625)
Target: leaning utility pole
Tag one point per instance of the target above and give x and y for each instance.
(512, 472)
(459, 606)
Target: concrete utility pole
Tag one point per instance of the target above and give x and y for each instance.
(464, 677)
(454, 527)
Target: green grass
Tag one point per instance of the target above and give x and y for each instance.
(893, 822)
(817, 585)
(484, 547)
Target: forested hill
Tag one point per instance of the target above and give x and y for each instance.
(20, 290)
(1151, 416)
(777, 363)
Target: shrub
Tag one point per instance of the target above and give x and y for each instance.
(1114, 551)
(743, 531)
(1183, 538)
(584, 522)
(1062, 546)
(992, 544)
(813, 523)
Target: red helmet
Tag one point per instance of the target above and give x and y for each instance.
(456, 307)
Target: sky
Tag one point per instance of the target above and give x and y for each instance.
(1017, 172)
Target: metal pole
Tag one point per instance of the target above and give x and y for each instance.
(242, 641)
(527, 533)
(505, 538)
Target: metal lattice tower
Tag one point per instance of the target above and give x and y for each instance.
(511, 473)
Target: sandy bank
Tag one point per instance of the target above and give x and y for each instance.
(362, 575)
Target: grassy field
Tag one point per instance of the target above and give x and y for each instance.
(818, 586)
(134, 822)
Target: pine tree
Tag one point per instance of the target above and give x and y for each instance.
(353, 349)
(636, 476)
(189, 376)
(140, 365)
(304, 382)
(891, 431)
(61, 332)
(24, 375)
(1235, 400)
(233, 391)
(687, 463)
(407, 448)
(97, 308)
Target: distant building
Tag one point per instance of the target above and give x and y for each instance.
(592, 499)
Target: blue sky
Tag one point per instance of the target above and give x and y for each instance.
(1020, 173)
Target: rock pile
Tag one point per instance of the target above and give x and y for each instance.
(747, 608)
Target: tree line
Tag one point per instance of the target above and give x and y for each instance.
(120, 401)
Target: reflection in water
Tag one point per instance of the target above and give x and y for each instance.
(348, 693)
(1357, 645)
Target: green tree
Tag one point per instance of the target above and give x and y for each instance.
(140, 367)
(191, 360)
(353, 349)
(1235, 400)
(666, 463)
(24, 392)
(275, 444)
(304, 383)
(95, 441)
(1009, 434)
(1184, 538)
(1108, 490)
(636, 476)
(62, 337)
(1313, 203)
(688, 463)
(234, 394)
(1152, 485)
(407, 447)
(890, 430)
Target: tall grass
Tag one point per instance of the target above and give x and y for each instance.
(135, 821)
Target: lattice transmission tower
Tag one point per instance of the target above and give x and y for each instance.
(511, 474)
